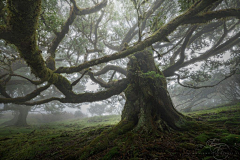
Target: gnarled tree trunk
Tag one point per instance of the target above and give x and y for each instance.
(148, 103)
(148, 107)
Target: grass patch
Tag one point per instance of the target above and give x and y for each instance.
(202, 137)
(64, 139)
(51, 141)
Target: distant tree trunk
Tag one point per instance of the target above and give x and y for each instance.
(22, 117)
(189, 107)
(148, 103)
(12, 121)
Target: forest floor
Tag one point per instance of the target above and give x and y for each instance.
(214, 134)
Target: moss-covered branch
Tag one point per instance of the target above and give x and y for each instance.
(80, 11)
(28, 97)
(110, 67)
(206, 29)
(3, 91)
(31, 81)
(182, 50)
(206, 17)
(60, 35)
(75, 10)
(221, 48)
(101, 82)
(159, 35)
(119, 87)
(22, 24)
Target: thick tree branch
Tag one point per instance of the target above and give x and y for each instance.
(41, 101)
(119, 87)
(132, 31)
(27, 97)
(60, 35)
(112, 47)
(97, 7)
(18, 82)
(76, 81)
(173, 47)
(96, 30)
(207, 86)
(221, 48)
(23, 21)
(206, 17)
(183, 47)
(110, 67)
(206, 29)
(101, 82)
(159, 35)
(31, 81)
(26, 44)
(93, 50)
(72, 15)
(3, 91)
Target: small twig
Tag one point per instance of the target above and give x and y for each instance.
(207, 86)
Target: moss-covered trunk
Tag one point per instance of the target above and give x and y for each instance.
(148, 103)
(22, 116)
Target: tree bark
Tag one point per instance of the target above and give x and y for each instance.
(148, 103)
(22, 117)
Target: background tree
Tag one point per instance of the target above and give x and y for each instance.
(97, 109)
(79, 114)
(226, 92)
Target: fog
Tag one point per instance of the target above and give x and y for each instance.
(119, 79)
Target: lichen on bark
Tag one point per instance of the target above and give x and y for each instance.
(22, 25)
(148, 103)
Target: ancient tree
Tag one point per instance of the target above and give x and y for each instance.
(159, 40)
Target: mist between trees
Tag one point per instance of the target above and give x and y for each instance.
(150, 59)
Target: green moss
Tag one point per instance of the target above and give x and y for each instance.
(188, 146)
(184, 124)
(102, 142)
(113, 152)
(129, 89)
(230, 122)
(152, 74)
(231, 139)
(202, 138)
(181, 139)
(123, 127)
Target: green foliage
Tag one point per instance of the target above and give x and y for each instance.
(113, 152)
(217, 109)
(157, 21)
(50, 141)
(230, 139)
(65, 139)
(185, 4)
(51, 18)
(187, 145)
(202, 137)
(151, 74)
